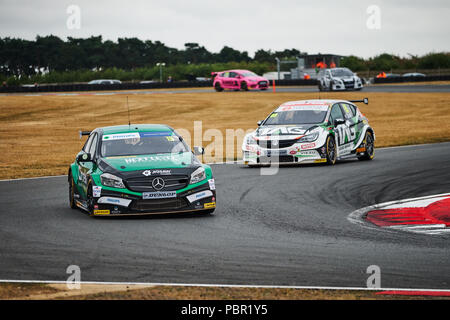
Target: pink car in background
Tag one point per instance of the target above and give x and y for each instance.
(239, 80)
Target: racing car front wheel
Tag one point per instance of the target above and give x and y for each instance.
(370, 147)
(331, 150)
(90, 200)
(244, 86)
(71, 192)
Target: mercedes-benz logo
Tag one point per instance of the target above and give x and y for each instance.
(158, 183)
(274, 142)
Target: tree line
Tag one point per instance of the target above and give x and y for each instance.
(49, 59)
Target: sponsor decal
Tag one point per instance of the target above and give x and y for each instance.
(280, 131)
(156, 172)
(100, 212)
(150, 158)
(147, 173)
(303, 106)
(121, 136)
(209, 205)
(308, 146)
(115, 201)
(293, 152)
(155, 134)
(346, 148)
(96, 191)
(274, 115)
(212, 184)
(199, 195)
(171, 139)
(320, 160)
(159, 195)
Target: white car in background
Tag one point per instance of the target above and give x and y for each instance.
(105, 81)
(339, 79)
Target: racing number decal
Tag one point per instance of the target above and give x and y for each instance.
(345, 134)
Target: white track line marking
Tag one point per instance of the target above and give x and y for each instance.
(226, 285)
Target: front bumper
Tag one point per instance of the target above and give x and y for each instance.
(116, 203)
(347, 86)
(298, 153)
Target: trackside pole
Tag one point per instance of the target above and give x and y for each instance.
(273, 86)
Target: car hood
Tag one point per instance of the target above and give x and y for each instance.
(258, 78)
(152, 161)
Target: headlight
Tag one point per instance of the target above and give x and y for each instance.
(309, 138)
(110, 180)
(250, 140)
(336, 81)
(198, 175)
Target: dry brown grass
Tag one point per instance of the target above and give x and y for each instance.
(39, 135)
(141, 292)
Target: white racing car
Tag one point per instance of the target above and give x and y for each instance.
(339, 79)
(310, 131)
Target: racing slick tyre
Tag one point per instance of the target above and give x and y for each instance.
(90, 200)
(244, 86)
(370, 147)
(209, 212)
(331, 150)
(320, 86)
(217, 87)
(71, 192)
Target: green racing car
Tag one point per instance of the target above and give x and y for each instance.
(137, 170)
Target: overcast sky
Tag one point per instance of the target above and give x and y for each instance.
(340, 27)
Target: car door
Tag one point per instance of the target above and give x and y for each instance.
(327, 79)
(342, 131)
(85, 168)
(234, 81)
(226, 81)
(351, 120)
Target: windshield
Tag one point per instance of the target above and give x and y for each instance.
(248, 74)
(341, 73)
(296, 117)
(141, 143)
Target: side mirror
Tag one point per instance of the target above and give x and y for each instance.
(198, 151)
(84, 157)
(259, 122)
(338, 122)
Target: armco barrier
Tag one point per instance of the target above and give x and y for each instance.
(411, 79)
(132, 86)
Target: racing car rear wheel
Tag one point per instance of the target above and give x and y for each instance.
(370, 147)
(331, 150)
(244, 86)
(217, 87)
(71, 192)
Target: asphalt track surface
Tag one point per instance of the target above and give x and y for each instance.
(285, 229)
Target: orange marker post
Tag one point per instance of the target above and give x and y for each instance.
(273, 86)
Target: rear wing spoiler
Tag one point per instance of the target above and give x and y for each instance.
(365, 101)
(84, 133)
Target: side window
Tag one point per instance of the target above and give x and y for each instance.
(348, 111)
(336, 113)
(87, 145)
(233, 74)
(225, 74)
(93, 145)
